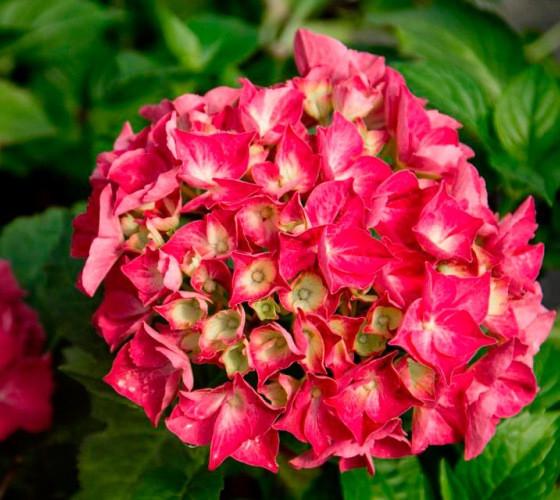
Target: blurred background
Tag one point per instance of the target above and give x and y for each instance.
(72, 71)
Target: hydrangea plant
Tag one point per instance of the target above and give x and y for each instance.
(318, 258)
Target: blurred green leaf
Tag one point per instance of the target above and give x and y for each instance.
(451, 90)
(226, 41)
(456, 35)
(399, 479)
(181, 41)
(521, 461)
(130, 459)
(21, 115)
(54, 30)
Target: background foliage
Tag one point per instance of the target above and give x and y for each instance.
(71, 71)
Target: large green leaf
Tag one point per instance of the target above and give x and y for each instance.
(527, 121)
(527, 117)
(131, 460)
(394, 480)
(455, 35)
(451, 90)
(521, 461)
(22, 116)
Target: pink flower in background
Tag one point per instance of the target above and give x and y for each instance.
(318, 258)
(26, 382)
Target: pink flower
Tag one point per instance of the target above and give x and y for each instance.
(295, 167)
(232, 419)
(328, 239)
(372, 393)
(106, 240)
(502, 386)
(444, 230)
(310, 419)
(205, 158)
(26, 381)
(148, 370)
(272, 349)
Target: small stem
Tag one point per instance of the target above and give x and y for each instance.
(544, 45)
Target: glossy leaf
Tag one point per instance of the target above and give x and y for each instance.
(527, 117)
(393, 480)
(451, 90)
(130, 459)
(454, 35)
(521, 461)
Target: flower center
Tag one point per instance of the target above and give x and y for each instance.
(266, 213)
(257, 276)
(383, 321)
(222, 246)
(209, 286)
(304, 294)
(232, 324)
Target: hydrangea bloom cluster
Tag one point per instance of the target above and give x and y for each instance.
(26, 382)
(327, 247)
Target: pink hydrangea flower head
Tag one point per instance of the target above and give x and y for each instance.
(325, 248)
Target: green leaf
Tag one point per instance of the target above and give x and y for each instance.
(22, 117)
(522, 178)
(181, 41)
(455, 35)
(89, 370)
(451, 90)
(527, 122)
(54, 30)
(547, 373)
(393, 480)
(527, 117)
(226, 41)
(29, 243)
(130, 459)
(521, 461)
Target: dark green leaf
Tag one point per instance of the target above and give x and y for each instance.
(454, 35)
(521, 178)
(393, 480)
(132, 460)
(521, 461)
(30, 242)
(527, 117)
(89, 370)
(547, 373)
(21, 115)
(452, 91)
